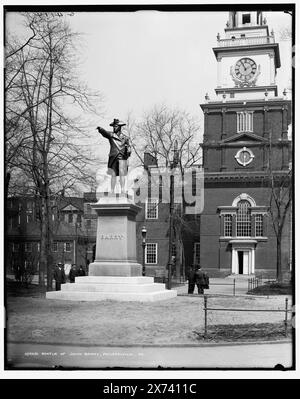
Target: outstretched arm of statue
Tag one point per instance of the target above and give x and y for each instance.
(104, 133)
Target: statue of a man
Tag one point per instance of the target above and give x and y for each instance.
(119, 153)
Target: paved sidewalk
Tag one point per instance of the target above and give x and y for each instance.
(262, 355)
(220, 286)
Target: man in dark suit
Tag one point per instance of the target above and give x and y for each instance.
(59, 276)
(73, 273)
(119, 153)
(191, 280)
(201, 279)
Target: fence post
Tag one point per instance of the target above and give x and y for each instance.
(205, 316)
(234, 287)
(286, 316)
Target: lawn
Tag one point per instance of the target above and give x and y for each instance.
(180, 320)
(272, 288)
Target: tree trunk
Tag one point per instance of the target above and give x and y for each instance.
(43, 250)
(48, 243)
(278, 266)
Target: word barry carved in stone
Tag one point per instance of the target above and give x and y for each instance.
(112, 236)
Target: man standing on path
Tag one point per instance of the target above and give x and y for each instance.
(201, 279)
(59, 276)
(191, 280)
(73, 273)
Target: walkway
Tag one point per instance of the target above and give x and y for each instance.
(261, 355)
(222, 286)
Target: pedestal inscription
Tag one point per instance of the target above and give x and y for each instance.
(116, 237)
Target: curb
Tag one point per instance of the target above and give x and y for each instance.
(237, 296)
(200, 344)
(228, 295)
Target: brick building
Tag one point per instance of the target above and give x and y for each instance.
(155, 216)
(73, 232)
(245, 130)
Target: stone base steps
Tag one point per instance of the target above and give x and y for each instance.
(100, 288)
(133, 288)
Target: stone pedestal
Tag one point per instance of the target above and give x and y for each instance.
(116, 237)
(115, 273)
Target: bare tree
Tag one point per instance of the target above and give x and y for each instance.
(159, 129)
(44, 105)
(281, 194)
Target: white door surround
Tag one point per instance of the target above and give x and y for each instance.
(243, 256)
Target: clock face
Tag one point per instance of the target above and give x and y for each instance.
(245, 69)
(244, 156)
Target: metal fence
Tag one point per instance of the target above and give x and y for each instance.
(255, 40)
(286, 310)
(254, 282)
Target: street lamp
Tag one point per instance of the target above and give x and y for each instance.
(174, 163)
(77, 226)
(144, 233)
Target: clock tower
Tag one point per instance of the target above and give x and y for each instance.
(245, 138)
(247, 57)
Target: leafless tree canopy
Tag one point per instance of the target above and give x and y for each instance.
(44, 119)
(157, 132)
(45, 102)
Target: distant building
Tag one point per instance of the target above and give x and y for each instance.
(155, 216)
(73, 232)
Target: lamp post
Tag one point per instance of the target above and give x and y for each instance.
(173, 165)
(77, 226)
(144, 233)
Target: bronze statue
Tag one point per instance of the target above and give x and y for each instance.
(119, 153)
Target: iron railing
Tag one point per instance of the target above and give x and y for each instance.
(254, 282)
(286, 310)
(246, 41)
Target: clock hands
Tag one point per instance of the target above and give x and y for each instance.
(245, 69)
(243, 63)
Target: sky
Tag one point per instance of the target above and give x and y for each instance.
(141, 59)
(145, 58)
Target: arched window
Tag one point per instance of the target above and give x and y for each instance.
(243, 220)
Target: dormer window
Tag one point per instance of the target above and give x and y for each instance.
(246, 18)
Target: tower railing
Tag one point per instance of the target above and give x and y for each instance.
(246, 41)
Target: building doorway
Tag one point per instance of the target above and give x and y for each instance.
(243, 262)
(243, 257)
(240, 262)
